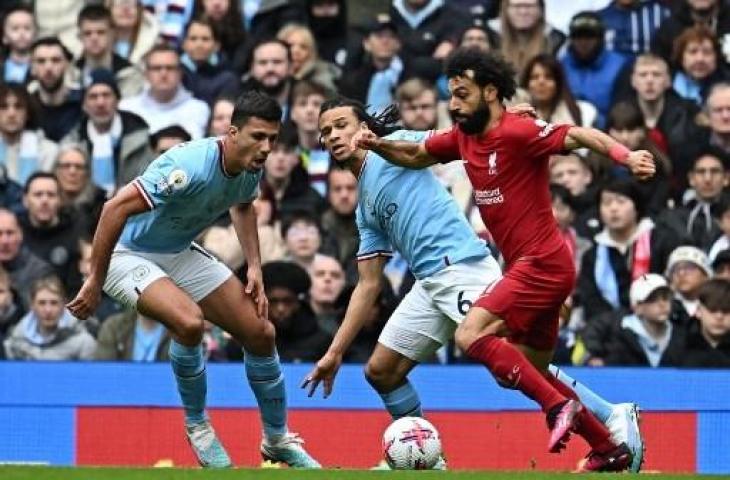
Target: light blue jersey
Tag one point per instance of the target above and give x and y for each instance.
(409, 210)
(187, 189)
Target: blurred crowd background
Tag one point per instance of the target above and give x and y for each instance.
(92, 91)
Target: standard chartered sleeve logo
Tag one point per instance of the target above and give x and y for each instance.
(488, 197)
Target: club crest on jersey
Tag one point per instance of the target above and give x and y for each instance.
(545, 126)
(492, 162)
(177, 179)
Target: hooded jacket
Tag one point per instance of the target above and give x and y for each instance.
(184, 110)
(70, 341)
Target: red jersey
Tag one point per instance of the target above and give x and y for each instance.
(508, 168)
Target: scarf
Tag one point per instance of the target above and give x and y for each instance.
(185, 59)
(414, 19)
(102, 157)
(701, 208)
(653, 348)
(172, 16)
(605, 275)
(687, 88)
(382, 85)
(22, 159)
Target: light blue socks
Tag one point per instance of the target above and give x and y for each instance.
(188, 366)
(267, 382)
(402, 402)
(597, 405)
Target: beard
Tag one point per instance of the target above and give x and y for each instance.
(53, 86)
(473, 124)
(272, 90)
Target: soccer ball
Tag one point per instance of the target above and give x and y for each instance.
(411, 443)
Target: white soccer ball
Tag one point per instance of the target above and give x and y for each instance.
(411, 443)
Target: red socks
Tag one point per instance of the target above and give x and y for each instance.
(513, 370)
(594, 432)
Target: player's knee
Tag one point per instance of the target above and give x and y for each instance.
(464, 337)
(467, 333)
(261, 341)
(381, 377)
(188, 326)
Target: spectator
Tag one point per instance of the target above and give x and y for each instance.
(573, 172)
(19, 31)
(23, 150)
(543, 77)
(647, 338)
(629, 246)
(708, 343)
(698, 59)
(479, 36)
(303, 238)
(166, 102)
(227, 16)
(417, 103)
(49, 232)
(288, 182)
(328, 281)
(708, 13)
(172, 16)
(58, 105)
(564, 213)
(298, 337)
(374, 80)
(669, 118)
(116, 140)
(135, 30)
(306, 64)
(721, 264)
(329, 24)
(96, 32)
(268, 225)
(271, 72)
(722, 214)
(220, 118)
(23, 266)
(524, 32)
(687, 270)
(627, 126)
(11, 308)
(166, 138)
(130, 336)
(632, 24)
(697, 220)
(429, 31)
(591, 69)
(107, 306)
(307, 98)
(339, 219)
(205, 70)
(48, 331)
(263, 19)
(79, 195)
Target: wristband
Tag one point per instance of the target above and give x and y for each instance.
(618, 153)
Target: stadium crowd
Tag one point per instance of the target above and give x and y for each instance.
(92, 91)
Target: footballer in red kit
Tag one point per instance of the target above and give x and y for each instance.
(512, 328)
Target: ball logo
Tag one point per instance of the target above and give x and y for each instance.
(177, 179)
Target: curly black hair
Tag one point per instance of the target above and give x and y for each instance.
(381, 125)
(488, 68)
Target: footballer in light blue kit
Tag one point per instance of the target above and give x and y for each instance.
(410, 211)
(144, 256)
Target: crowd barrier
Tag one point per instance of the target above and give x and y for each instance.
(128, 414)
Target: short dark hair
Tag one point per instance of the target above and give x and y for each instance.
(295, 216)
(266, 41)
(8, 90)
(628, 188)
(711, 151)
(255, 104)
(207, 22)
(94, 13)
(173, 131)
(18, 8)
(488, 68)
(162, 47)
(382, 124)
(35, 176)
(51, 42)
(559, 192)
(714, 295)
(305, 88)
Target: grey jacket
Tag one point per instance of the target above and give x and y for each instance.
(70, 341)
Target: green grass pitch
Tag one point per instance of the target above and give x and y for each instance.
(50, 473)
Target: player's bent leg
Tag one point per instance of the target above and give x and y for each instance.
(231, 309)
(165, 301)
(387, 372)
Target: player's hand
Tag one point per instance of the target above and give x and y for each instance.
(86, 301)
(255, 288)
(523, 110)
(364, 139)
(324, 371)
(641, 164)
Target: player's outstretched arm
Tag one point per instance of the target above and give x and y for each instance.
(640, 162)
(127, 202)
(362, 301)
(243, 217)
(402, 153)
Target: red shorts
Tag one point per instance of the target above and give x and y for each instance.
(529, 297)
